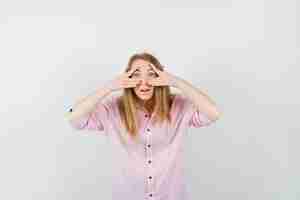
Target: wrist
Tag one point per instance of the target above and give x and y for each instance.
(103, 91)
(109, 86)
(174, 81)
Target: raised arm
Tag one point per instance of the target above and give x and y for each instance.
(199, 98)
(89, 112)
(87, 104)
(202, 102)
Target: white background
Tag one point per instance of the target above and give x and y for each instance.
(245, 54)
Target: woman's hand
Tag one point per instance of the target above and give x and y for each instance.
(122, 81)
(164, 78)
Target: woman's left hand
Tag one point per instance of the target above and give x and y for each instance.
(164, 78)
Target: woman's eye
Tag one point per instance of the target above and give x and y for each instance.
(135, 75)
(152, 74)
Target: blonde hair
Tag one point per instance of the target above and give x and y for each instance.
(128, 102)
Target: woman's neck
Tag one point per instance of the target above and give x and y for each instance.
(146, 105)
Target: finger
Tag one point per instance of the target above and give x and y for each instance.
(129, 85)
(129, 80)
(130, 72)
(157, 83)
(153, 83)
(155, 68)
(126, 79)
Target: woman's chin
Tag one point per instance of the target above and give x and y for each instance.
(144, 97)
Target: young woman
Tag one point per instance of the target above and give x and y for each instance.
(146, 124)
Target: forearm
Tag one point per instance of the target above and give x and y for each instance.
(201, 100)
(86, 104)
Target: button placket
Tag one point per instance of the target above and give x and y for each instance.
(149, 162)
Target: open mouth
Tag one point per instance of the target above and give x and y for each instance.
(144, 91)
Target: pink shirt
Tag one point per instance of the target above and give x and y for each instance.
(152, 168)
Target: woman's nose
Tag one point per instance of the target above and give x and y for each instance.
(144, 81)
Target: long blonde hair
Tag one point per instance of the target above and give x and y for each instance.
(128, 102)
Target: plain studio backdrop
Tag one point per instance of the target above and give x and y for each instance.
(244, 54)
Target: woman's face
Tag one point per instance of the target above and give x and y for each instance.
(144, 73)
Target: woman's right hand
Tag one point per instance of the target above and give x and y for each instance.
(122, 81)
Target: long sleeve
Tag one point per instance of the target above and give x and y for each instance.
(98, 119)
(195, 118)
